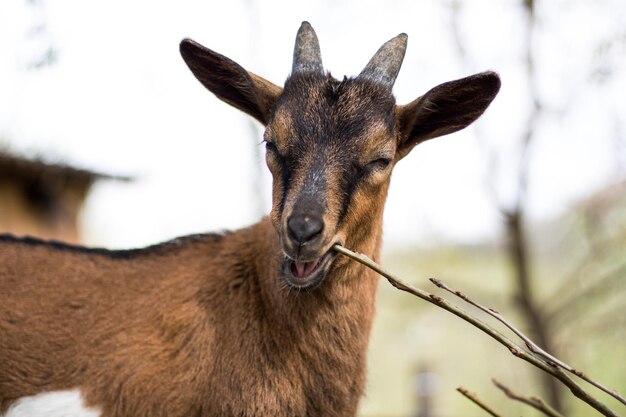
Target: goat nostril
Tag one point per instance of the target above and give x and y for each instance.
(303, 228)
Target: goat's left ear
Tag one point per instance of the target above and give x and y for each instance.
(230, 82)
(447, 108)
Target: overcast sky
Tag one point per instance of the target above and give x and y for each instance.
(120, 100)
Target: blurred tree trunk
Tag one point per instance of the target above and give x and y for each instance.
(526, 299)
(518, 245)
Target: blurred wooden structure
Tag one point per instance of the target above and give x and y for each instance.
(41, 199)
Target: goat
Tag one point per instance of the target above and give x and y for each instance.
(263, 321)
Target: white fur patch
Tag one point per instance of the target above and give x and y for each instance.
(52, 404)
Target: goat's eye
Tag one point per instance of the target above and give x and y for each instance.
(378, 164)
(271, 149)
(272, 154)
(269, 146)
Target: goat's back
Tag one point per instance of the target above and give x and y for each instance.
(70, 314)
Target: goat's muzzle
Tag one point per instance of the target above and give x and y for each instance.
(307, 248)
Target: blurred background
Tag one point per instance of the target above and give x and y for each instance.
(107, 139)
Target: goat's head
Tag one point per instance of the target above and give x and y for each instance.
(331, 145)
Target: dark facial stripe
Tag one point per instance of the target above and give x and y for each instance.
(285, 184)
(349, 186)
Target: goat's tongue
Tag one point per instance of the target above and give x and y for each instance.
(304, 269)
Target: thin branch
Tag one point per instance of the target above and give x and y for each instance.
(474, 398)
(516, 350)
(534, 402)
(493, 313)
(532, 346)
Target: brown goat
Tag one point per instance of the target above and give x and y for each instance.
(264, 321)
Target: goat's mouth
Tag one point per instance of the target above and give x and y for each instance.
(300, 274)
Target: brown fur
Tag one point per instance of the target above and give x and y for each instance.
(209, 325)
(173, 333)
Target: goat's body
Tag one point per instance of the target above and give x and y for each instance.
(202, 326)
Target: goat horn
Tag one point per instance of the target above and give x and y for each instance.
(306, 53)
(384, 66)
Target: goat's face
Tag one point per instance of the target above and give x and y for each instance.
(331, 144)
(330, 156)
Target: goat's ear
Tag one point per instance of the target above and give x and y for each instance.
(445, 109)
(231, 83)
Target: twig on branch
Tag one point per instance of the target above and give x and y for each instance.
(493, 313)
(474, 398)
(532, 346)
(534, 402)
(512, 346)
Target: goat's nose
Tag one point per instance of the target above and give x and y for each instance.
(304, 227)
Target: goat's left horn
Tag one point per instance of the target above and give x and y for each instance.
(384, 66)
(306, 53)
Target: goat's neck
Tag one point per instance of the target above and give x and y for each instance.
(330, 325)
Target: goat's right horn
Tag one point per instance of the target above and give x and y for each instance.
(384, 66)
(306, 53)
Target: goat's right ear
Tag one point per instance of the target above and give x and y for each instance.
(231, 83)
